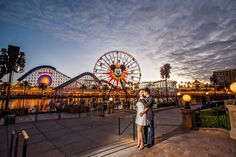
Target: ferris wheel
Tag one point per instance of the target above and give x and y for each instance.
(118, 68)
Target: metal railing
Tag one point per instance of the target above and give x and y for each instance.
(53, 115)
(15, 141)
(211, 118)
(129, 122)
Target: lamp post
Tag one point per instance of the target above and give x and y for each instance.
(178, 94)
(110, 107)
(11, 60)
(187, 115)
(187, 99)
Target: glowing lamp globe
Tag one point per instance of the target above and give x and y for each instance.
(233, 87)
(186, 98)
(110, 99)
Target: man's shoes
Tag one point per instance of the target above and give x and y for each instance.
(149, 146)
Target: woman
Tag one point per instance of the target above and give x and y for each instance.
(140, 121)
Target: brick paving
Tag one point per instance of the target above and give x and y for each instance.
(76, 136)
(202, 143)
(73, 137)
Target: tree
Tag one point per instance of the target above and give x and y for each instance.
(213, 80)
(83, 88)
(206, 86)
(165, 74)
(3, 87)
(42, 86)
(94, 87)
(26, 85)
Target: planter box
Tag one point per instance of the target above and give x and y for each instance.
(232, 115)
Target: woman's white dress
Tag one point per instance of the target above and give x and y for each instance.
(140, 120)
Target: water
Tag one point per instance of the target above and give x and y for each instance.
(44, 102)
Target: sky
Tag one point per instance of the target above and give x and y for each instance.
(196, 37)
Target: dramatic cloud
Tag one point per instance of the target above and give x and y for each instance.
(195, 36)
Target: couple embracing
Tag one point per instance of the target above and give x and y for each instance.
(145, 119)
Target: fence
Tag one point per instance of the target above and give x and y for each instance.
(125, 123)
(211, 118)
(58, 114)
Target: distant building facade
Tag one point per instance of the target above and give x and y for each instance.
(159, 87)
(225, 76)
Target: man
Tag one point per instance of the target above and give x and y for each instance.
(149, 129)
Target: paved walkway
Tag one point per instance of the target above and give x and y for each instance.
(98, 136)
(89, 136)
(202, 143)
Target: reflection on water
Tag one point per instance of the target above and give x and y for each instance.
(43, 103)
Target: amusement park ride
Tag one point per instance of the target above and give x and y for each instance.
(117, 70)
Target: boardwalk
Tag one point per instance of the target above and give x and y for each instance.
(84, 136)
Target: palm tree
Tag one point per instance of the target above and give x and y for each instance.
(42, 86)
(188, 84)
(165, 74)
(206, 86)
(213, 80)
(26, 85)
(83, 87)
(3, 87)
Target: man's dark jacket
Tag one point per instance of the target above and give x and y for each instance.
(148, 103)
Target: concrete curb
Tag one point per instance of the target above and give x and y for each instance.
(216, 129)
(165, 108)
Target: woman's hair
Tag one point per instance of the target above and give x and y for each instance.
(138, 93)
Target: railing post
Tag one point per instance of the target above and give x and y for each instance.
(119, 125)
(36, 116)
(87, 111)
(218, 118)
(24, 148)
(26, 137)
(203, 124)
(94, 111)
(103, 110)
(12, 140)
(134, 129)
(59, 113)
(16, 145)
(79, 110)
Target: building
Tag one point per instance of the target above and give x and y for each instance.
(226, 76)
(159, 87)
(194, 86)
